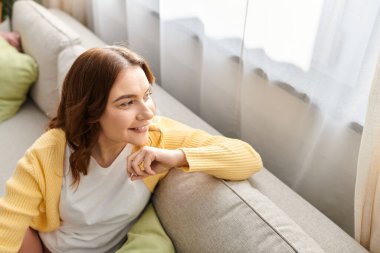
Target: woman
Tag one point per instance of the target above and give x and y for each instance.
(107, 148)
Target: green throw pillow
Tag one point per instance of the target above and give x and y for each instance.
(147, 235)
(17, 73)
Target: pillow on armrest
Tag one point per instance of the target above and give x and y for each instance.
(204, 214)
(17, 73)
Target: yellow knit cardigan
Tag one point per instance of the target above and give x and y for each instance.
(33, 192)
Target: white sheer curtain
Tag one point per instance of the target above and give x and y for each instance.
(293, 22)
(76, 8)
(313, 143)
(290, 77)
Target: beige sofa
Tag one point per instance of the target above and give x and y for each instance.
(199, 213)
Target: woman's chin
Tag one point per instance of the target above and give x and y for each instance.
(140, 142)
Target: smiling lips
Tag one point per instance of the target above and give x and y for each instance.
(142, 129)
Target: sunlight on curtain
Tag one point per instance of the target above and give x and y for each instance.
(293, 22)
(76, 8)
(143, 31)
(108, 20)
(192, 33)
(290, 77)
(224, 21)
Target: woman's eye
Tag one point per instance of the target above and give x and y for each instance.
(147, 95)
(126, 104)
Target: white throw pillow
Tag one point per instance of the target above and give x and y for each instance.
(44, 36)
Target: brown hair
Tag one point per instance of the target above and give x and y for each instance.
(84, 98)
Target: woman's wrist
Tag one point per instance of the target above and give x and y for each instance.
(181, 158)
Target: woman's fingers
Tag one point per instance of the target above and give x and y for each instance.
(151, 161)
(133, 177)
(129, 162)
(130, 169)
(148, 159)
(139, 164)
(136, 166)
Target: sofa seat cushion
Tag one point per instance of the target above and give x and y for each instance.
(43, 37)
(325, 232)
(17, 73)
(204, 214)
(17, 134)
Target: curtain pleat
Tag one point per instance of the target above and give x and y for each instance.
(367, 193)
(76, 8)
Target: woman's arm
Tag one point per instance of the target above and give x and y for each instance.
(19, 205)
(195, 151)
(220, 156)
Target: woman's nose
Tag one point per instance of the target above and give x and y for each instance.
(146, 112)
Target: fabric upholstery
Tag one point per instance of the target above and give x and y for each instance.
(17, 134)
(66, 58)
(5, 26)
(327, 234)
(201, 213)
(43, 37)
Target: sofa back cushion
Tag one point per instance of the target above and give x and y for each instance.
(43, 37)
(5, 26)
(204, 214)
(66, 58)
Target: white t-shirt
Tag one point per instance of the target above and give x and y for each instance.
(96, 216)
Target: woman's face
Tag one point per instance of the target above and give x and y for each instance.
(129, 109)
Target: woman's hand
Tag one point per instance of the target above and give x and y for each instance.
(150, 161)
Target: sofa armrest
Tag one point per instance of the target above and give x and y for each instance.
(203, 214)
(324, 231)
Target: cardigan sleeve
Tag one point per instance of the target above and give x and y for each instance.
(222, 157)
(19, 204)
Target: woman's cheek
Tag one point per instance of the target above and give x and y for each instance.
(152, 106)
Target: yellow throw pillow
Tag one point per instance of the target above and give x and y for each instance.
(147, 235)
(17, 73)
